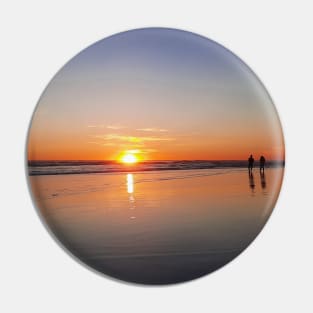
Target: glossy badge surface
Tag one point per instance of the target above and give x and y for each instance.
(155, 156)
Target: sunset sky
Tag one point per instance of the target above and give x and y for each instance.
(161, 94)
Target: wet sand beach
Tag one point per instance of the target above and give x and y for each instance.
(161, 226)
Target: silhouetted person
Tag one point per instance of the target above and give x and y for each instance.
(263, 181)
(262, 163)
(250, 163)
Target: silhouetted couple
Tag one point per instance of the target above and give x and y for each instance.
(251, 162)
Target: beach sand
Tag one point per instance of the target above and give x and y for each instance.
(157, 227)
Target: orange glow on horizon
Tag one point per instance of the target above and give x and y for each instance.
(63, 146)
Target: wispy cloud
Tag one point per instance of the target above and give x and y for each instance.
(133, 139)
(140, 151)
(95, 126)
(134, 151)
(102, 143)
(160, 130)
(135, 148)
(115, 127)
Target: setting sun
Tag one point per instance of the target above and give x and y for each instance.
(129, 158)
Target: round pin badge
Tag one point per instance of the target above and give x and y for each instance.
(155, 156)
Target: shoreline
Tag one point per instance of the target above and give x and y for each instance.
(32, 171)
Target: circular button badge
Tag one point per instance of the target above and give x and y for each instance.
(155, 156)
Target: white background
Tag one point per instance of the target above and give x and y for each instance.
(274, 38)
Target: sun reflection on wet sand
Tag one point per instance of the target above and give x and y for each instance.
(130, 190)
(130, 183)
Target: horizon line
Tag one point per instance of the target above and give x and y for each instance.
(152, 160)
